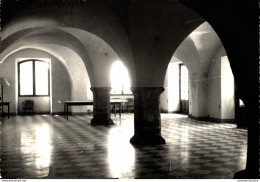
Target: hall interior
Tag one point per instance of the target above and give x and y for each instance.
(186, 69)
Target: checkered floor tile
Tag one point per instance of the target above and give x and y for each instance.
(51, 147)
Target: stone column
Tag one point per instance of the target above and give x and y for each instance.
(147, 119)
(252, 162)
(101, 106)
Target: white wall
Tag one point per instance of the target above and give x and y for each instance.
(227, 90)
(173, 88)
(164, 95)
(61, 85)
(221, 91)
(214, 93)
(61, 82)
(7, 69)
(211, 93)
(41, 104)
(79, 77)
(170, 98)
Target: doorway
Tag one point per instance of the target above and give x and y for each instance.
(184, 89)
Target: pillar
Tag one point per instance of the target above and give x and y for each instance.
(101, 106)
(252, 163)
(147, 119)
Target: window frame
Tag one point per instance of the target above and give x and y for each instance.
(122, 92)
(180, 82)
(122, 85)
(34, 81)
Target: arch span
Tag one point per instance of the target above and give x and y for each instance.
(92, 17)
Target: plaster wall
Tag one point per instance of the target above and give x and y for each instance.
(89, 17)
(227, 90)
(214, 89)
(202, 87)
(61, 86)
(220, 92)
(41, 104)
(190, 97)
(174, 95)
(155, 38)
(170, 98)
(196, 52)
(164, 95)
(206, 82)
(79, 79)
(188, 54)
(193, 96)
(190, 58)
(8, 70)
(102, 56)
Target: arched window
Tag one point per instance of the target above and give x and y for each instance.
(119, 77)
(33, 76)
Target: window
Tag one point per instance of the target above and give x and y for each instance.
(33, 78)
(184, 83)
(120, 81)
(241, 103)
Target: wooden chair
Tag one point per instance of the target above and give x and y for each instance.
(28, 105)
(1, 105)
(115, 107)
(130, 104)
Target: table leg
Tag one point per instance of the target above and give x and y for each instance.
(2, 110)
(8, 110)
(67, 112)
(120, 110)
(114, 109)
(64, 110)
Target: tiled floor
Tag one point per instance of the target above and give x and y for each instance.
(52, 147)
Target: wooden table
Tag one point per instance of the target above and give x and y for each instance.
(118, 102)
(5, 104)
(67, 104)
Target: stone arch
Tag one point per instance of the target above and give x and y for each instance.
(240, 41)
(57, 52)
(50, 36)
(197, 52)
(154, 38)
(91, 16)
(10, 69)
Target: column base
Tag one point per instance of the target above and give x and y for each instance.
(102, 121)
(147, 140)
(245, 174)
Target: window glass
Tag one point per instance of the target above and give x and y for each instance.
(127, 87)
(241, 103)
(34, 78)
(120, 81)
(41, 78)
(184, 83)
(26, 78)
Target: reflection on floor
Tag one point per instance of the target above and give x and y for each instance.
(52, 147)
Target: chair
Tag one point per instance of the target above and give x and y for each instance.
(1, 104)
(130, 104)
(28, 105)
(115, 107)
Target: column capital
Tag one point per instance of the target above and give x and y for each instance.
(147, 91)
(100, 89)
